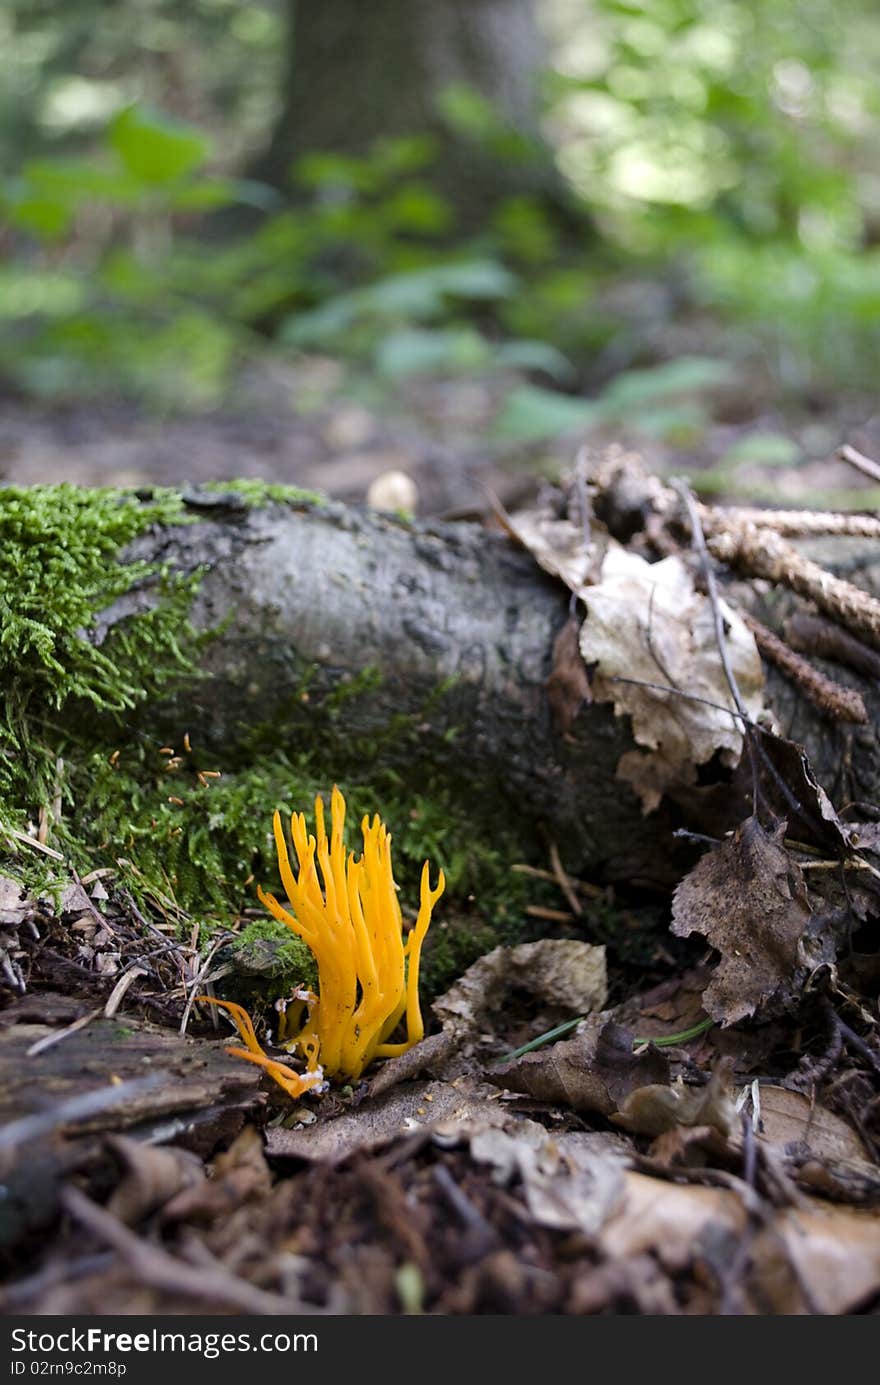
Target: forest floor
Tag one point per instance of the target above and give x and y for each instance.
(722, 1170)
(301, 428)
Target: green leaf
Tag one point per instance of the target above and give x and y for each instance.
(762, 449)
(530, 414)
(411, 351)
(535, 355)
(685, 375)
(156, 150)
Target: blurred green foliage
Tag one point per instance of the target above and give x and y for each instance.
(724, 148)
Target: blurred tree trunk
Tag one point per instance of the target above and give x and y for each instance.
(360, 72)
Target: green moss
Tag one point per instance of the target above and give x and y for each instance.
(61, 568)
(256, 492)
(187, 835)
(267, 950)
(60, 546)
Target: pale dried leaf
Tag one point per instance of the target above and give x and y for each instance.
(431, 1055)
(806, 1259)
(430, 1105)
(669, 1220)
(835, 1251)
(646, 622)
(74, 901)
(559, 546)
(791, 1121)
(562, 972)
(568, 1186)
(15, 905)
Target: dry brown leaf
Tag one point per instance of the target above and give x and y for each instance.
(646, 622)
(594, 1071)
(820, 1151)
(569, 1185)
(793, 791)
(562, 972)
(655, 1110)
(835, 1252)
(152, 1177)
(670, 1220)
(791, 1122)
(815, 1258)
(431, 1055)
(568, 686)
(747, 898)
(688, 1145)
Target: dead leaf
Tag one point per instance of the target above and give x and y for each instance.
(814, 1258)
(688, 1145)
(748, 899)
(568, 687)
(594, 1071)
(835, 1252)
(558, 545)
(669, 1219)
(75, 902)
(446, 1106)
(646, 622)
(790, 1122)
(240, 1174)
(655, 1110)
(562, 972)
(153, 1176)
(571, 1186)
(431, 1054)
(820, 1151)
(15, 904)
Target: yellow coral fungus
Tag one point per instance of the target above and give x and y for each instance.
(368, 977)
(294, 1083)
(349, 916)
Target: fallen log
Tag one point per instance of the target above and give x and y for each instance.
(429, 646)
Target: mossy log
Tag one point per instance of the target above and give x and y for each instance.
(428, 647)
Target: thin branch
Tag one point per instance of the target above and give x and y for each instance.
(699, 540)
(791, 523)
(868, 467)
(155, 1267)
(832, 699)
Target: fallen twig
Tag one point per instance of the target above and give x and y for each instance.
(762, 553)
(156, 1267)
(868, 467)
(832, 699)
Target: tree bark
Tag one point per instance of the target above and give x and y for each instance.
(357, 73)
(443, 636)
